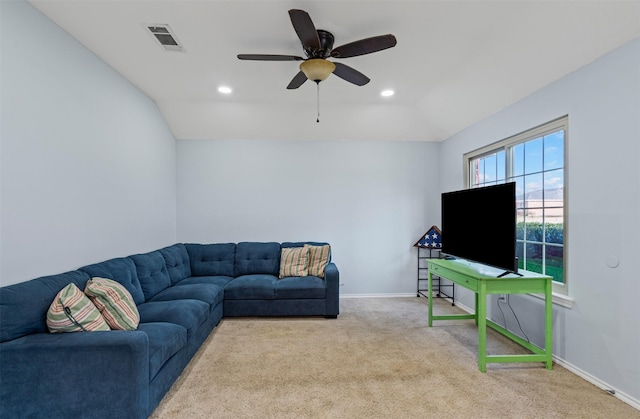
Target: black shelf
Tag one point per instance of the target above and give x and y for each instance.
(424, 254)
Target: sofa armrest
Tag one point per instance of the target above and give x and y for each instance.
(83, 374)
(332, 278)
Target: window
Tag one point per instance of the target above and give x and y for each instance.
(535, 160)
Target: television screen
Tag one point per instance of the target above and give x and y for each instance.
(480, 225)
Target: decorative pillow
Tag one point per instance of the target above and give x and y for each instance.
(293, 261)
(114, 302)
(72, 311)
(318, 259)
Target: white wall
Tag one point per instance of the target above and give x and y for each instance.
(600, 335)
(88, 163)
(371, 200)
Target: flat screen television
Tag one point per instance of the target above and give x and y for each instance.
(480, 225)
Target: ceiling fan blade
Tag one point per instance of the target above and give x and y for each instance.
(364, 46)
(269, 57)
(297, 81)
(350, 74)
(305, 29)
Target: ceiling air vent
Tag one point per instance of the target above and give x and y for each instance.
(165, 37)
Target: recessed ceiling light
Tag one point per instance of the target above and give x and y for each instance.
(387, 93)
(224, 89)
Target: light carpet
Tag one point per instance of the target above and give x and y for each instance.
(377, 360)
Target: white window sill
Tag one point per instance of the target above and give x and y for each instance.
(558, 299)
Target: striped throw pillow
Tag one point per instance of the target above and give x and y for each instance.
(72, 311)
(318, 259)
(293, 261)
(114, 302)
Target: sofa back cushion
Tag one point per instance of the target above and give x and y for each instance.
(257, 258)
(177, 261)
(24, 306)
(212, 259)
(152, 273)
(121, 270)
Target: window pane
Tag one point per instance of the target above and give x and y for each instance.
(533, 230)
(553, 229)
(554, 265)
(520, 224)
(475, 172)
(534, 258)
(533, 156)
(533, 191)
(520, 254)
(520, 198)
(554, 188)
(518, 160)
(490, 169)
(501, 167)
(554, 150)
(481, 175)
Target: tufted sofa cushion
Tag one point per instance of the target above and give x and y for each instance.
(257, 258)
(24, 306)
(212, 259)
(152, 273)
(121, 270)
(177, 261)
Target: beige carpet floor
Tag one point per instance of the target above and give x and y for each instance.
(377, 360)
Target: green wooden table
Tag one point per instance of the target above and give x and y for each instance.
(483, 280)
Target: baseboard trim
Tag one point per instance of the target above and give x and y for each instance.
(377, 295)
(598, 383)
(583, 374)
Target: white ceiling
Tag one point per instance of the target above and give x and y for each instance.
(456, 62)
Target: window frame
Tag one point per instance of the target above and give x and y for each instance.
(560, 290)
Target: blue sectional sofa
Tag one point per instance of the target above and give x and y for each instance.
(181, 292)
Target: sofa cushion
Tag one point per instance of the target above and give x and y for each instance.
(251, 287)
(294, 261)
(24, 306)
(165, 339)
(300, 287)
(257, 258)
(121, 270)
(152, 273)
(318, 259)
(177, 261)
(187, 313)
(209, 293)
(220, 281)
(72, 311)
(212, 259)
(114, 302)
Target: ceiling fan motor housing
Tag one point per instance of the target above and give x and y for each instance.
(326, 45)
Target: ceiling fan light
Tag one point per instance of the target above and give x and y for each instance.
(317, 69)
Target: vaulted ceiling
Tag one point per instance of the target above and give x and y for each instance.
(456, 62)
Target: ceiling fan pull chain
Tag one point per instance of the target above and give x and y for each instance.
(318, 101)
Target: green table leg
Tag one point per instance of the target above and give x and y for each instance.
(430, 297)
(476, 295)
(481, 321)
(548, 328)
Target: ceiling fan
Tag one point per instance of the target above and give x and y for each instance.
(318, 46)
